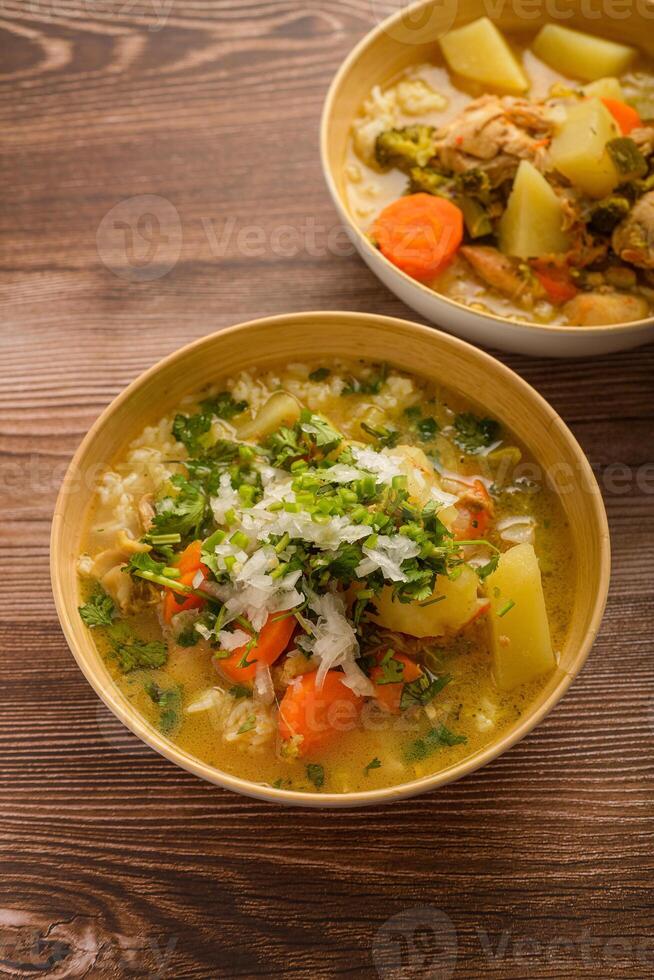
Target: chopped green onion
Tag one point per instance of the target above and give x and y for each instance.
(506, 608)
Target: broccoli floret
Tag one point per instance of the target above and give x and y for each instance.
(629, 161)
(412, 146)
(474, 183)
(608, 213)
(425, 179)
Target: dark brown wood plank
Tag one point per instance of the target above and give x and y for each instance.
(114, 862)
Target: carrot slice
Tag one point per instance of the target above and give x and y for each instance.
(190, 558)
(419, 234)
(625, 115)
(557, 283)
(188, 564)
(174, 602)
(318, 714)
(475, 511)
(273, 640)
(390, 695)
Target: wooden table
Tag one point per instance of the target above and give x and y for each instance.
(115, 862)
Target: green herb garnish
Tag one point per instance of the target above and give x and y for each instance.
(392, 669)
(248, 725)
(435, 738)
(99, 610)
(133, 653)
(373, 764)
(472, 434)
(423, 689)
(316, 774)
(169, 703)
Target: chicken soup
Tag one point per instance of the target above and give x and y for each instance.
(329, 577)
(517, 178)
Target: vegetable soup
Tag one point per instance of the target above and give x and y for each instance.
(329, 577)
(516, 178)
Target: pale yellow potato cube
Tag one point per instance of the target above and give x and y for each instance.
(579, 55)
(520, 632)
(478, 51)
(578, 151)
(532, 224)
(604, 88)
(459, 606)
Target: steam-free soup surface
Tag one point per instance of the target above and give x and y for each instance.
(522, 185)
(319, 577)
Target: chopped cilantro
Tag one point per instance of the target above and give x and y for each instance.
(485, 570)
(472, 434)
(240, 691)
(188, 637)
(319, 431)
(193, 431)
(427, 428)
(133, 653)
(320, 374)
(392, 670)
(371, 385)
(434, 739)
(224, 405)
(99, 610)
(247, 725)
(373, 764)
(316, 774)
(384, 435)
(423, 690)
(182, 513)
(141, 561)
(169, 702)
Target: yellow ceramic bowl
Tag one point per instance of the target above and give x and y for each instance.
(411, 37)
(435, 355)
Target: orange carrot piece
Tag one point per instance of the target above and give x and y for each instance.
(625, 115)
(318, 715)
(188, 564)
(419, 234)
(273, 639)
(189, 560)
(475, 511)
(390, 695)
(175, 602)
(557, 283)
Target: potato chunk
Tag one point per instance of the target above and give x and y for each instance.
(604, 88)
(580, 55)
(532, 224)
(478, 51)
(578, 150)
(459, 607)
(520, 633)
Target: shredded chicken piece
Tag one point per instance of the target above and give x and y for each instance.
(495, 134)
(603, 308)
(643, 137)
(499, 271)
(146, 510)
(633, 239)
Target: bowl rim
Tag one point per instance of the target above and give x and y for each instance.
(143, 730)
(361, 240)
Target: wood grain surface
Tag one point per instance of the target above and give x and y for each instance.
(115, 863)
